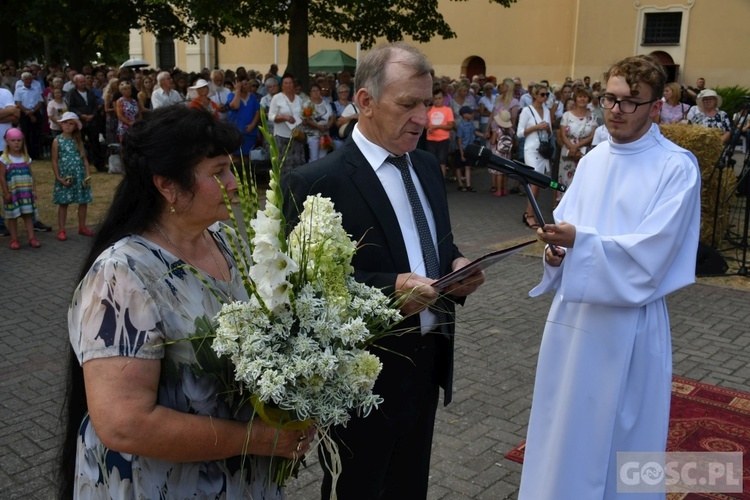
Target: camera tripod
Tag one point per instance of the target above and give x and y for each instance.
(739, 240)
(742, 191)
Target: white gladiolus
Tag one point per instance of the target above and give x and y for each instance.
(299, 343)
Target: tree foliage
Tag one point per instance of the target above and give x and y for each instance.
(89, 26)
(363, 21)
(75, 31)
(733, 98)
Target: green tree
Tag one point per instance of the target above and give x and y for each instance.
(76, 30)
(361, 21)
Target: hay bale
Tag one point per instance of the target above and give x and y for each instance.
(705, 144)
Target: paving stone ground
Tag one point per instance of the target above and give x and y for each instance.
(499, 331)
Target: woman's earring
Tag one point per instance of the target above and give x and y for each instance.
(172, 210)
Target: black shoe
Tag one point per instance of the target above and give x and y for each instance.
(514, 190)
(40, 227)
(4, 231)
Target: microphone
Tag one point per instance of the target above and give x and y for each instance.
(484, 156)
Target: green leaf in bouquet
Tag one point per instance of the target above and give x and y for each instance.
(209, 364)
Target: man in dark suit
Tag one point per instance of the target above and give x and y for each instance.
(387, 454)
(83, 102)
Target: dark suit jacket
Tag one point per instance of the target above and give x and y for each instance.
(77, 105)
(350, 182)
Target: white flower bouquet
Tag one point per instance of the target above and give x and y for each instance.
(297, 345)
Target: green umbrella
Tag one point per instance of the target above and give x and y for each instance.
(331, 61)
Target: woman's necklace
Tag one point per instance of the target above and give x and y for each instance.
(179, 250)
(166, 238)
(211, 251)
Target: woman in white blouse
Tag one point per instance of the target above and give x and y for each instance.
(286, 114)
(535, 124)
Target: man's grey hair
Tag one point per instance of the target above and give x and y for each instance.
(161, 76)
(26, 75)
(371, 72)
(270, 81)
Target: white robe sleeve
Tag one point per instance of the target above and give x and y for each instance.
(551, 278)
(647, 263)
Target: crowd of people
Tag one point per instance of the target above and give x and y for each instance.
(121, 97)
(513, 120)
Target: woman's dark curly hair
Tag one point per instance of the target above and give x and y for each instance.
(169, 142)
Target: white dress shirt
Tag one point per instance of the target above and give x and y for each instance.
(393, 184)
(160, 98)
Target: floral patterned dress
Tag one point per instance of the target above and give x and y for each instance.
(137, 300)
(321, 115)
(21, 186)
(130, 110)
(720, 120)
(70, 164)
(672, 114)
(575, 129)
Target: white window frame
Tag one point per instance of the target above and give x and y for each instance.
(676, 51)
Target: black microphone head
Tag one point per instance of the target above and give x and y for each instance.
(477, 152)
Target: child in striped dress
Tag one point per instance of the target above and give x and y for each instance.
(19, 189)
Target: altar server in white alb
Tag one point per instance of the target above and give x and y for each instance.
(627, 235)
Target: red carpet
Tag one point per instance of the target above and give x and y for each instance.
(703, 418)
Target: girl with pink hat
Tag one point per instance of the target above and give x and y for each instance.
(71, 169)
(18, 187)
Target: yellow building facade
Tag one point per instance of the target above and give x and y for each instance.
(533, 39)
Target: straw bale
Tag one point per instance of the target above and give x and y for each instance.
(705, 144)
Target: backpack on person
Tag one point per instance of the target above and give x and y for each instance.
(346, 129)
(504, 144)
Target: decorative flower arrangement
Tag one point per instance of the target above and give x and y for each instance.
(308, 111)
(297, 345)
(326, 142)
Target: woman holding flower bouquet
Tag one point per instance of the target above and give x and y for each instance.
(318, 117)
(148, 413)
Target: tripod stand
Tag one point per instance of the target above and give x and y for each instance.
(725, 160)
(739, 241)
(743, 190)
(745, 178)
